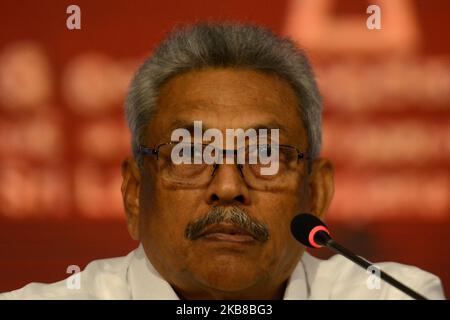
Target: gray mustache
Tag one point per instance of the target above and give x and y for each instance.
(234, 215)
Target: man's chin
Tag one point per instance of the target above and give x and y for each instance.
(229, 273)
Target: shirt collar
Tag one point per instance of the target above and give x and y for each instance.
(146, 283)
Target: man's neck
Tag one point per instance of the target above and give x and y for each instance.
(259, 293)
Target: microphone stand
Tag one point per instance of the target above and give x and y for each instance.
(324, 239)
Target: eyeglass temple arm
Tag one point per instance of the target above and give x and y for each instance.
(148, 151)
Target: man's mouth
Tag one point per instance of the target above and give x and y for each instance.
(227, 232)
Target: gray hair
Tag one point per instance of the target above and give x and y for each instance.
(231, 45)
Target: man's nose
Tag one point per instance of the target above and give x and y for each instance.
(227, 186)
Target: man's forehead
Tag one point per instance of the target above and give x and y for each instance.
(221, 100)
(227, 89)
(189, 125)
(288, 135)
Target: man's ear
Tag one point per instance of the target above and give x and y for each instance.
(131, 178)
(321, 186)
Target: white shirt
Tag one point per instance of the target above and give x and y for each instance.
(134, 277)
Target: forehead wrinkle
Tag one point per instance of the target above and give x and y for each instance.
(192, 104)
(189, 125)
(269, 125)
(196, 83)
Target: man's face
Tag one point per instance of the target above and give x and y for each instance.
(203, 267)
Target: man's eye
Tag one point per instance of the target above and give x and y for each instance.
(196, 151)
(265, 149)
(253, 150)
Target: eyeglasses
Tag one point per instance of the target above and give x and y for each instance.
(193, 165)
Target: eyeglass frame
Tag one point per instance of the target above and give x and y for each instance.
(147, 151)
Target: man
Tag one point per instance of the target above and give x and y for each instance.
(220, 229)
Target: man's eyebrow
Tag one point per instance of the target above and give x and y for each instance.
(268, 126)
(189, 126)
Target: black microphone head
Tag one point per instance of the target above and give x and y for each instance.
(304, 227)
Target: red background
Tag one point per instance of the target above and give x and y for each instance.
(386, 127)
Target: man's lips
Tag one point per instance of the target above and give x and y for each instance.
(227, 232)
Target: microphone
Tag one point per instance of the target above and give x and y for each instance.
(312, 232)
